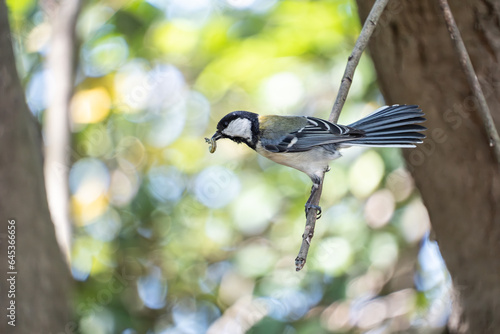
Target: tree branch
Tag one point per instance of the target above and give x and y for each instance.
(345, 85)
(353, 60)
(60, 81)
(468, 69)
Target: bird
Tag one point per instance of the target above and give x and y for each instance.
(309, 144)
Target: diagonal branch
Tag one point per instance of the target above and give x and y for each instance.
(468, 69)
(353, 60)
(345, 85)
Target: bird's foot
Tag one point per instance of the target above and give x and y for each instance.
(316, 207)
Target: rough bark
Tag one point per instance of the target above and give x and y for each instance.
(455, 168)
(42, 280)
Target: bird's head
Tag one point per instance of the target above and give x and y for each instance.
(240, 127)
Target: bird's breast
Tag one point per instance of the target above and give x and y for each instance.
(312, 162)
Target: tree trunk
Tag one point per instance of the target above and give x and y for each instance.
(455, 169)
(40, 279)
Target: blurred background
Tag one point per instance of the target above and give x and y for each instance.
(168, 238)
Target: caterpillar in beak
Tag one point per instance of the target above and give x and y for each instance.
(213, 144)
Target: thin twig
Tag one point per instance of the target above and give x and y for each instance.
(300, 260)
(468, 69)
(352, 62)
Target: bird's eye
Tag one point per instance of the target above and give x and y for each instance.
(226, 123)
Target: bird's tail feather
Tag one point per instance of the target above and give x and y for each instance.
(394, 126)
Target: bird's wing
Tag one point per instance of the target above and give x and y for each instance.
(315, 132)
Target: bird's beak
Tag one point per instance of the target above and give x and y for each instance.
(216, 136)
(212, 141)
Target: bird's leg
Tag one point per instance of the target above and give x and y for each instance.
(309, 205)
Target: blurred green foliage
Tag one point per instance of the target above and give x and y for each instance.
(171, 239)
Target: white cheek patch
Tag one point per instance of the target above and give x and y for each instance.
(240, 127)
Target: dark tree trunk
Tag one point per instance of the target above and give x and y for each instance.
(42, 280)
(455, 168)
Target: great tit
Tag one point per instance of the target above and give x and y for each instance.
(308, 143)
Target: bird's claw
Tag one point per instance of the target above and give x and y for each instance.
(316, 207)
